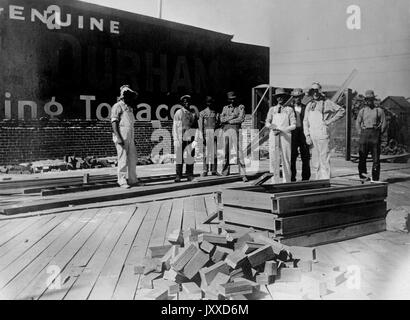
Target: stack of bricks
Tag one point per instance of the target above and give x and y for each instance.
(231, 266)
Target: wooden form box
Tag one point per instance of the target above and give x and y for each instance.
(295, 212)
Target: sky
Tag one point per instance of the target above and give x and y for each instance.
(309, 39)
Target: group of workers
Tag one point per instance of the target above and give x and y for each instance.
(294, 128)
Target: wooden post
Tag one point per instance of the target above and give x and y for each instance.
(348, 123)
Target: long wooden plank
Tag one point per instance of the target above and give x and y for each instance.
(329, 218)
(211, 208)
(290, 204)
(248, 218)
(175, 219)
(110, 195)
(295, 186)
(108, 278)
(27, 241)
(86, 280)
(14, 268)
(77, 265)
(17, 227)
(189, 214)
(11, 281)
(86, 236)
(335, 234)
(128, 280)
(159, 231)
(22, 237)
(247, 199)
(157, 237)
(200, 214)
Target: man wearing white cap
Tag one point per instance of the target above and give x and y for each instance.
(319, 114)
(281, 121)
(122, 119)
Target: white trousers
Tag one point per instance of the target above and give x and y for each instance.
(320, 163)
(280, 149)
(127, 161)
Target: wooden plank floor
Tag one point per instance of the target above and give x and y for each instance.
(90, 252)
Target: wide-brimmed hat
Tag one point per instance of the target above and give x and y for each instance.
(126, 90)
(369, 95)
(280, 92)
(231, 95)
(297, 92)
(185, 96)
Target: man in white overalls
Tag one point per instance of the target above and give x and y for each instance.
(281, 121)
(122, 119)
(319, 114)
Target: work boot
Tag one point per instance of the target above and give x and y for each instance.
(191, 178)
(204, 174)
(216, 174)
(177, 179)
(125, 186)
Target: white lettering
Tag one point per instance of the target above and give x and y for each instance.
(53, 103)
(16, 13)
(354, 20)
(115, 27)
(99, 112)
(158, 112)
(33, 109)
(87, 100)
(40, 16)
(146, 111)
(7, 106)
(95, 23)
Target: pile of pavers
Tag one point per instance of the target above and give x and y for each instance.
(201, 265)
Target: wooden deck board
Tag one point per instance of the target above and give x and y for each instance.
(15, 229)
(107, 281)
(27, 241)
(22, 237)
(81, 240)
(85, 282)
(189, 214)
(201, 214)
(175, 219)
(13, 282)
(128, 281)
(79, 262)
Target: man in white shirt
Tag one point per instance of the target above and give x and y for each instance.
(319, 115)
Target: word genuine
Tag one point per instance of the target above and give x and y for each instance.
(55, 19)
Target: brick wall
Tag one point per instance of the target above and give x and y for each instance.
(25, 141)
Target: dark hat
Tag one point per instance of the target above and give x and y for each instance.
(231, 95)
(126, 90)
(186, 96)
(369, 95)
(209, 99)
(280, 92)
(297, 92)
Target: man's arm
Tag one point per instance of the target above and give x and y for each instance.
(383, 122)
(115, 123)
(292, 120)
(240, 117)
(177, 126)
(224, 115)
(337, 111)
(359, 121)
(306, 128)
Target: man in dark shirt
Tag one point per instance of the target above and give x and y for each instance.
(299, 144)
(370, 123)
(209, 122)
